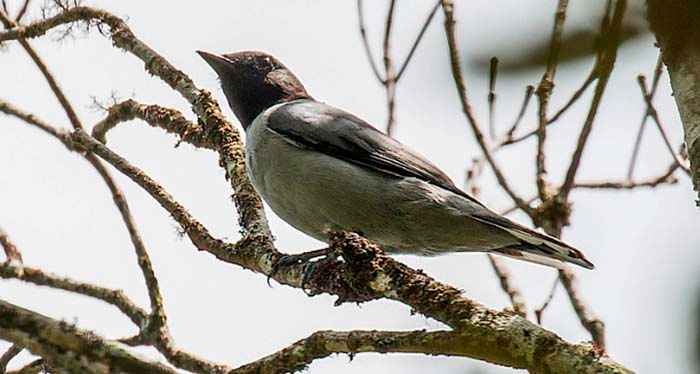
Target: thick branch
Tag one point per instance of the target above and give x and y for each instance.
(69, 348)
(675, 24)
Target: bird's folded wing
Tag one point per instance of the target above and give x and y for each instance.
(337, 133)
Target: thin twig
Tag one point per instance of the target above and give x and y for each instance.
(666, 178)
(526, 101)
(576, 96)
(22, 11)
(39, 277)
(504, 277)
(493, 73)
(544, 92)
(642, 126)
(365, 41)
(607, 63)
(500, 269)
(588, 319)
(655, 116)
(448, 8)
(53, 84)
(418, 40)
(389, 71)
(539, 311)
(515, 207)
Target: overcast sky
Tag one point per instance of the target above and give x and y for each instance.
(644, 243)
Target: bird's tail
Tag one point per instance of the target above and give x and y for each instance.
(545, 255)
(535, 246)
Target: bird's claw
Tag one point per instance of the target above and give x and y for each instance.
(302, 258)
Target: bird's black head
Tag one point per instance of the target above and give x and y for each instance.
(254, 81)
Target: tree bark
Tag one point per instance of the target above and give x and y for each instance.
(675, 24)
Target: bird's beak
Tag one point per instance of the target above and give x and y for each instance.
(220, 64)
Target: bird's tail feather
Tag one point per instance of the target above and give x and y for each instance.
(535, 246)
(528, 253)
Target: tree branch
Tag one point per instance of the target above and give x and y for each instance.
(655, 116)
(70, 348)
(38, 277)
(170, 120)
(607, 63)
(544, 91)
(678, 35)
(11, 252)
(516, 298)
(218, 129)
(448, 8)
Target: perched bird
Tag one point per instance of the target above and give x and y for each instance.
(323, 169)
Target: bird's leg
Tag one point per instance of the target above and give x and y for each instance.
(286, 260)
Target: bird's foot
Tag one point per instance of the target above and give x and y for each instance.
(301, 258)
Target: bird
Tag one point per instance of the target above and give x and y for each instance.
(322, 169)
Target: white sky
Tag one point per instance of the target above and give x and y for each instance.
(55, 207)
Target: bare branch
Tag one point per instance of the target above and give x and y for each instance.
(389, 71)
(11, 252)
(666, 178)
(642, 126)
(67, 346)
(592, 76)
(589, 320)
(226, 137)
(655, 116)
(526, 101)
(516, 298)
(365, 41)
(574, 98)
(493, 73)
(539, 311)
(607, 63)
(22, 11)
(544, 91)
(170, 120)
(418, 40)
(114, 297)
(466, 106)
(53, 84)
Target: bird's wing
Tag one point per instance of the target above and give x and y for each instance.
(337, 133)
